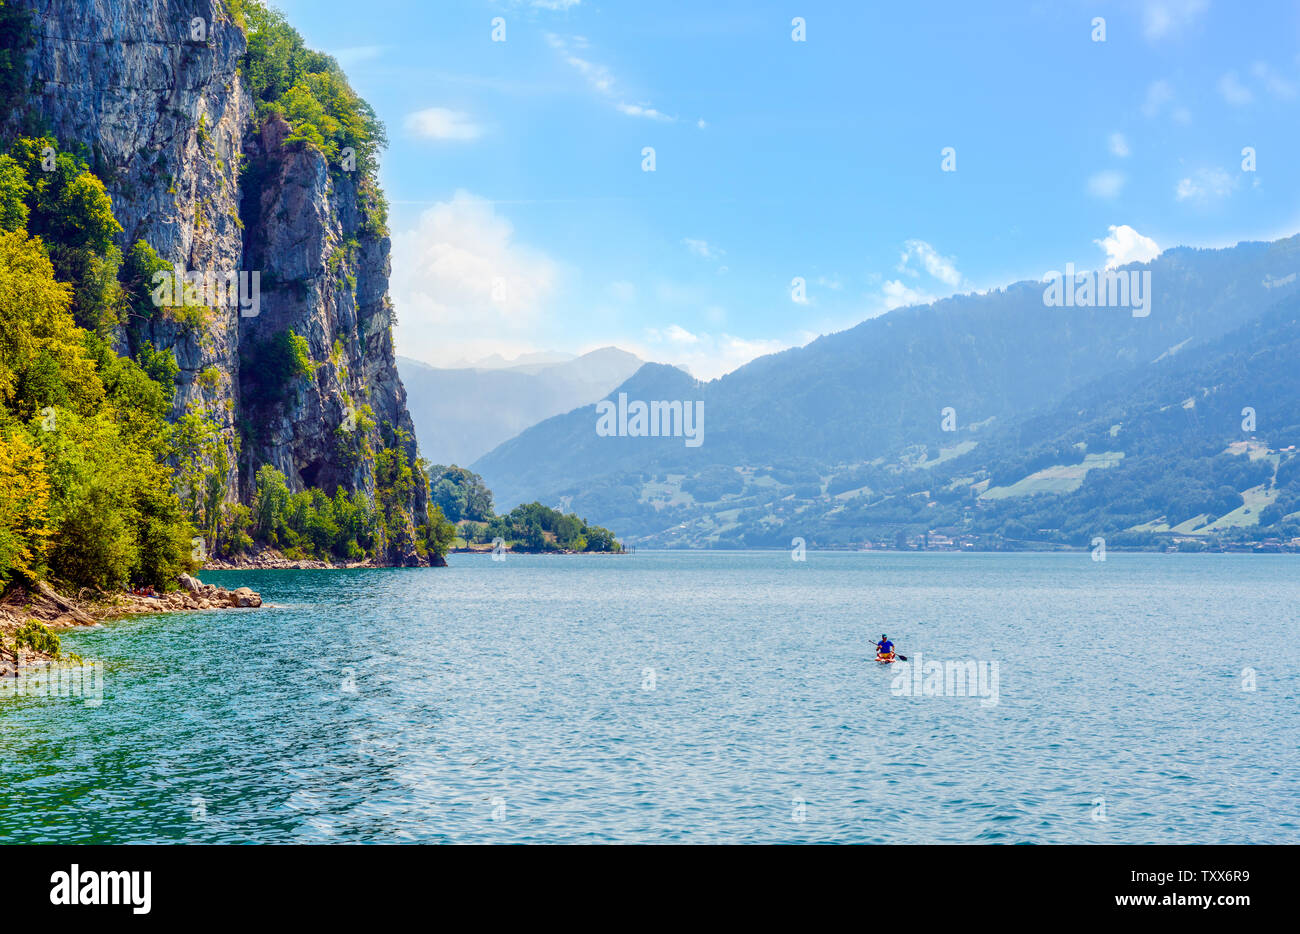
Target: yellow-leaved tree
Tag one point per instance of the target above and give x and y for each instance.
(24, 504)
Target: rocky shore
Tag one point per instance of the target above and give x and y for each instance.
(271, 560)
(42, 604)
(268, 559)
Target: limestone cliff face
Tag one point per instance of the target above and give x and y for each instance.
(325, 277)
(162, 116)
(152, 90)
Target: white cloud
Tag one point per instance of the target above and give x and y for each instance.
(601, 79)
(938, 267)
(677, 334)
(641, 110)
(1233, 91)
(1206, 185)
(442, 124)
(459, 274)
(598, 76)
(555, 4)
(1166, 18)
(702, 248)
(896, 294)
(1125, 245)
(705, 356)
(701, 124)
(1106, 184)
(1119, 145)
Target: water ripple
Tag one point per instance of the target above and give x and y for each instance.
(692, 698)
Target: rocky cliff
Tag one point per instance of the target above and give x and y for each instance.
(152, 93)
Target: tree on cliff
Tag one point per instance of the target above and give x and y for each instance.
(311, 92)
(310, 524)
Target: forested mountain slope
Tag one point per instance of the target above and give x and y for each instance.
(842, 417)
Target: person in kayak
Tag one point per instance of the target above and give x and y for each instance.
(884, 646)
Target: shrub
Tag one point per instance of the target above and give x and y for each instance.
(38, 638)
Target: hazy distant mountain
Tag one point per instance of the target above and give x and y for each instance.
(542, 358)
(462, 413)
(807, 431)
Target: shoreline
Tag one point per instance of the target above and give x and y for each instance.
(1063, 549)
(43, 605)
(487, 550)
(269, 559)
(280, 563)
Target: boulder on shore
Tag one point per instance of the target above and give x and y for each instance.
(244, 597)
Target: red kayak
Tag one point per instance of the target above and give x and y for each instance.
(885, 658)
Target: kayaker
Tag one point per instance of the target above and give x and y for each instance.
(884, 646)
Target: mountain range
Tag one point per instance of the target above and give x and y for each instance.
(462, 413)
(537, 359)
(979, 415)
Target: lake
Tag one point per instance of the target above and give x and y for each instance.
(688, 697)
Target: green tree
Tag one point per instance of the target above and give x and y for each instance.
(438, 534)
(24, 506)
(270, 500)
(70, 210)
(601, 539)
(460, 493)
(14, 192)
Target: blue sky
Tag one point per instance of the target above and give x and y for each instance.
(522, 219)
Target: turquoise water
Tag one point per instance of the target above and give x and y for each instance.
(685, 697)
